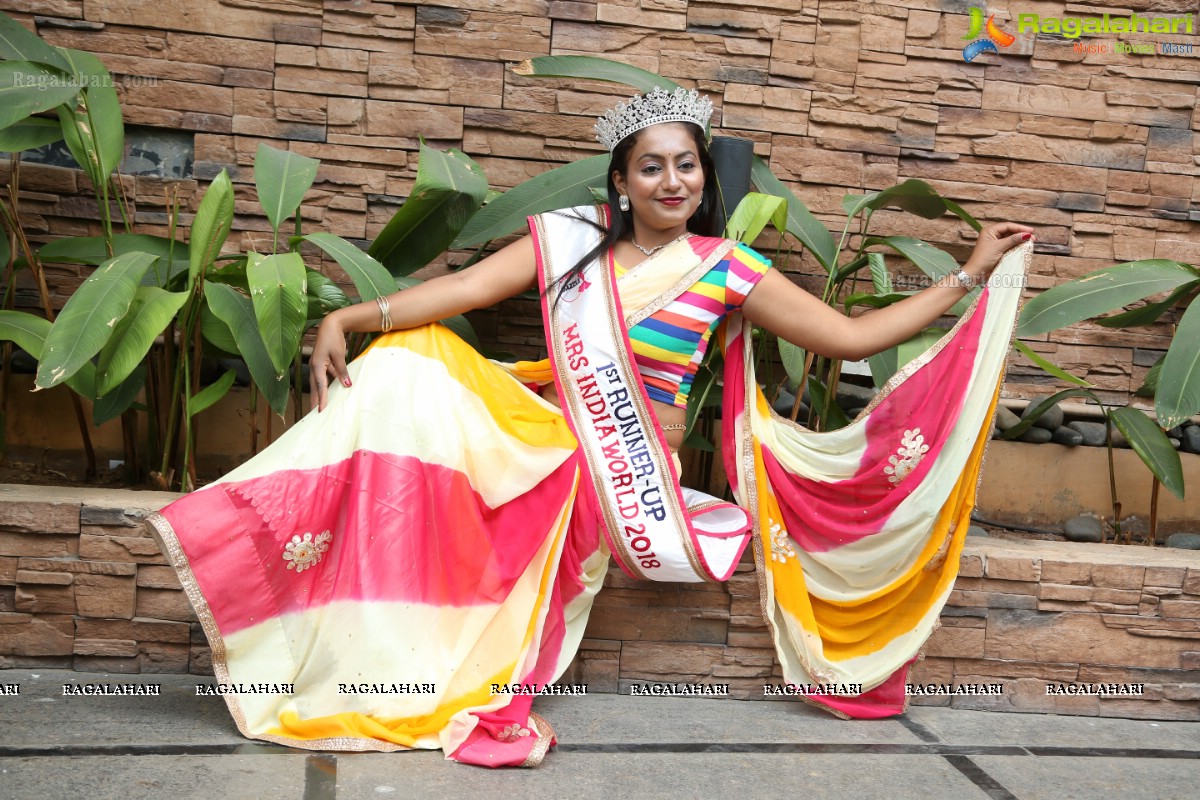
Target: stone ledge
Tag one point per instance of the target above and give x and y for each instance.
(1025, 615)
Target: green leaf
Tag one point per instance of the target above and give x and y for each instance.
(1150, 384)
(450, 188)
(94, 130)
(1152, 446)
(793, 359)
(753, 214)
(370, 278)
(913, 196)
(117, 401)
(907, 350)
(1149, 313)
(836, 418)
(702, 386)
(87, 320)
(1100, 292)
(282, 179)
(237, 312)
(1178, 394)
(214, 331)
(800, 221)
(960, 212)
(324, 296)
(277, 292)
(210, 394)
(883, 366)
(881, 278)
(149, 314)
(1046, 365)
(210, 226)
(27, 89)
(564, 186)
(30, 134)
(1031, 415)
(92, 250)
(874, 300)
(17, 43)
(29, 333)
(593, 68)
(5, 251)
(933, 262)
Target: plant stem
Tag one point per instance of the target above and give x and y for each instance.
(1112, 477)
(1152, 540)
(12, 219)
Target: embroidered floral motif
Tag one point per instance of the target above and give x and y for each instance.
(781, 548)
(512, 733)
(908, 456)
(302, 553)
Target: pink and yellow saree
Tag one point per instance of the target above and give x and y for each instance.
(381, 575)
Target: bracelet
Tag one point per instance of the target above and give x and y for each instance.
(965, 280)
(385, 313)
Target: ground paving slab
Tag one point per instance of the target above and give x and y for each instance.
(180, 745)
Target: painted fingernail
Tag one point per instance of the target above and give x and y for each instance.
(345, 381)
(1027, 236)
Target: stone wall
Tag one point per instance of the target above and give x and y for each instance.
(1099, 151)
(83, 586)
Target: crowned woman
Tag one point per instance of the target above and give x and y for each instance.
(402, 565)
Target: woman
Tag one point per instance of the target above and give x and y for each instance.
(407, 566)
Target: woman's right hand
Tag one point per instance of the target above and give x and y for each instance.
(328, 358)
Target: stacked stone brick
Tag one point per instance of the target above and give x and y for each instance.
(84, 586)
(1034, 613)
(1099, 151)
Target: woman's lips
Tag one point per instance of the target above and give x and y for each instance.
(670, 201)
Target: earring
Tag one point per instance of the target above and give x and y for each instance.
(623, 202)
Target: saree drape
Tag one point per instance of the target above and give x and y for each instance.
(859, 530)
(380, 575)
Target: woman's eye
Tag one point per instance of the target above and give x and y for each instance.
(650, 169)
(687, 165)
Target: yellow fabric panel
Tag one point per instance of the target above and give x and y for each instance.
(861, 628)
(405, 731)
(509, 402)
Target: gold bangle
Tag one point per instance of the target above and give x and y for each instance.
(385, 313)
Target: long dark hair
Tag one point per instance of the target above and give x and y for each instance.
(708, 220)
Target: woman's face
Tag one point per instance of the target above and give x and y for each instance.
(663, 179)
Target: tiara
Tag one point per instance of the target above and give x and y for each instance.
(648, 109)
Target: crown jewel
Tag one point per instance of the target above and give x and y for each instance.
(648, 109)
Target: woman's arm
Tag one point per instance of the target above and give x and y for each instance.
(497, 277)
(788, 311)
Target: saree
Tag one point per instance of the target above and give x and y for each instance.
(409, 567)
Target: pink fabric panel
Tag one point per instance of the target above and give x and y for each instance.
(486, 745)
(822, 516)
(886, 700)
(411, 531)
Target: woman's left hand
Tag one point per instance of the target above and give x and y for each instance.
(994, 241)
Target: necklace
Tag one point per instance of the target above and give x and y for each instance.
(649, 251)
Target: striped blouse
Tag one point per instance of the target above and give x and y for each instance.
(669, 345)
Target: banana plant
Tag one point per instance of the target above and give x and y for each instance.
(1173, 381)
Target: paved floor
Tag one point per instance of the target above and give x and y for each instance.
(179, 746)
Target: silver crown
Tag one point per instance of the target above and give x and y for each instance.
(644, 110)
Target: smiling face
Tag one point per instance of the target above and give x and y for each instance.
(664, 181)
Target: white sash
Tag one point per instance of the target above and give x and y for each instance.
(655, 529)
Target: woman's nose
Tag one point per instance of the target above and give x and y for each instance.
(671, 176)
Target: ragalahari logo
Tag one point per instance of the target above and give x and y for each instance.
(988, 43)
